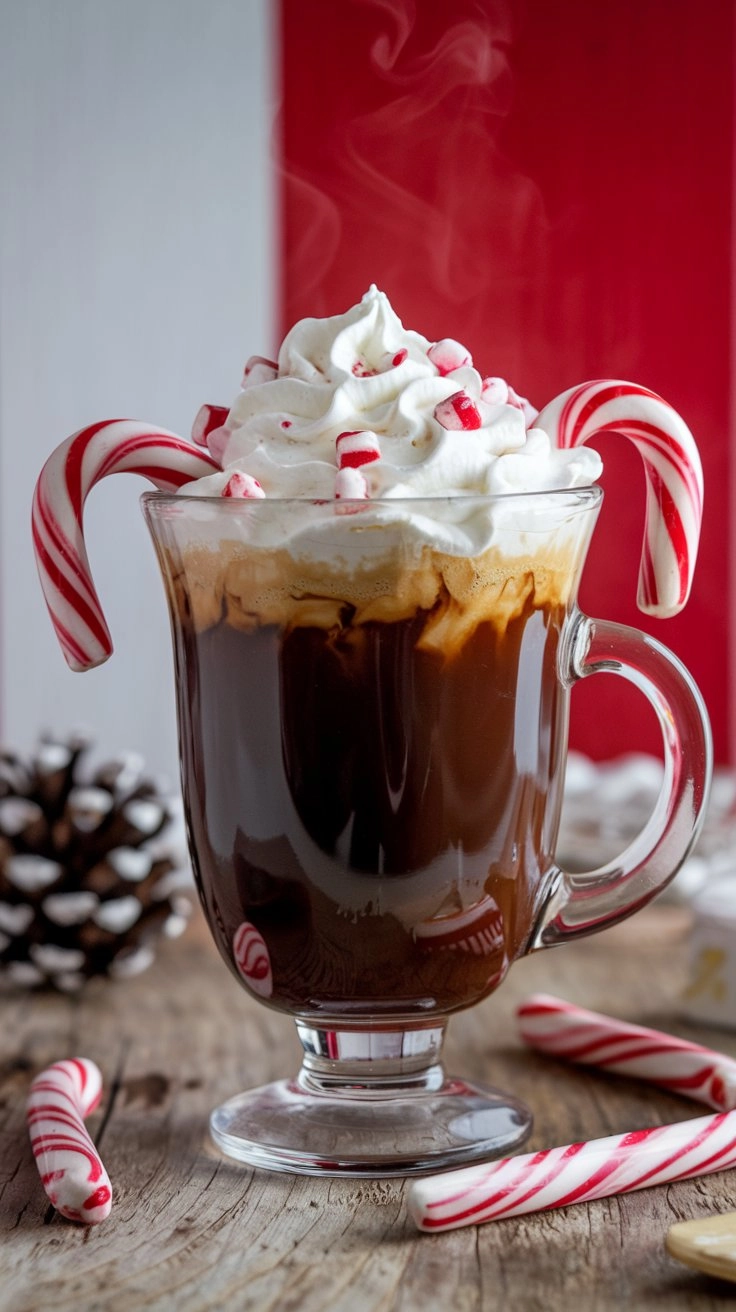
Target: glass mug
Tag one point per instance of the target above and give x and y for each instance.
(373, 748)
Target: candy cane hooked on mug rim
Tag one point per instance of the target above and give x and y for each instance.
(70, 1167)
(111, 447)
(673, 473)
(671, 463)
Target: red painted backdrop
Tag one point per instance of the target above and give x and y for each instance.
(551, 184)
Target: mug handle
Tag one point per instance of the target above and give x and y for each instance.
(580, 904)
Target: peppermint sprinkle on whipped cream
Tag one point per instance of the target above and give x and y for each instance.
(407, 417)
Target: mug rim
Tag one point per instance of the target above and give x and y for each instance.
(589, 494)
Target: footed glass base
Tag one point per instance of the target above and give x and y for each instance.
(368, 1105)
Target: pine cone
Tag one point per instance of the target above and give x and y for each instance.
(88, 879)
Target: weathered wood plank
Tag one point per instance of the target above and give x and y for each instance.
(194, 1232)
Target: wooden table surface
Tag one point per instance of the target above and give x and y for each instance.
(190, 1230)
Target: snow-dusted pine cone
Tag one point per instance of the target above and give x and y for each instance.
(89, 877)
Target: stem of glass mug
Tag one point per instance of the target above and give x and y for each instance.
(585, 903)
(371, 1064)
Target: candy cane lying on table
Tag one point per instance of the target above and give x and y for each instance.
(563, 1030)
(68, 1162)
(576, 1173)
(673, 472)
(112, 447)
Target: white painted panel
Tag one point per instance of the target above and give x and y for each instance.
(136, 275)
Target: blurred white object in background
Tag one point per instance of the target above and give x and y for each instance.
(607, 804)
(710, 995)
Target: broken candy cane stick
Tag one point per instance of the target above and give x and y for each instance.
(576, 1173)
(206, 420)
(68, 1162)
(673, 472)
(112, 447)
(562, 1030)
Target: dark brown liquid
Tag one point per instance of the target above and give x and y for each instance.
(382, 814)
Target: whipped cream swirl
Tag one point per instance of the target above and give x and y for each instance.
(358, 408)
(433, 426)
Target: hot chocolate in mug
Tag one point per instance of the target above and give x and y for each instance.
(373, 695)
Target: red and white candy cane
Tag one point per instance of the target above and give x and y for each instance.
(113, 446)
(576, 1173)
(70, 1166)
(674, 477)
(562, 1030)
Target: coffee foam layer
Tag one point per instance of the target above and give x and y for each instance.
(248, 588)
